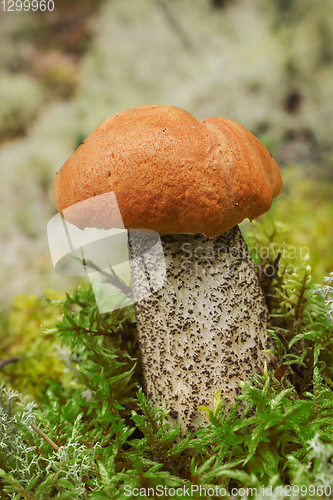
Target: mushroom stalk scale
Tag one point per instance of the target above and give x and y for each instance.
(192, 182)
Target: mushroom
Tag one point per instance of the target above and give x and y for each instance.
(191, 182)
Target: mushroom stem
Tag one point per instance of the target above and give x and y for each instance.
(205, 329)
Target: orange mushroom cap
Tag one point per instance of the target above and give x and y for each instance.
(169, 172)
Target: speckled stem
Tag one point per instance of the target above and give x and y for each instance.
(204, 330)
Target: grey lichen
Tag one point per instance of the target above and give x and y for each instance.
(14, 450)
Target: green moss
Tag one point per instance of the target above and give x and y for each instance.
(105, 440)
(31, 360)
(306, 204)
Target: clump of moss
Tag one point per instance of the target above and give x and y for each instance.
(102, 440)
(30, 361)
(300, 320)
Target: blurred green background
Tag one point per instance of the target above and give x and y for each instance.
(266, 65)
